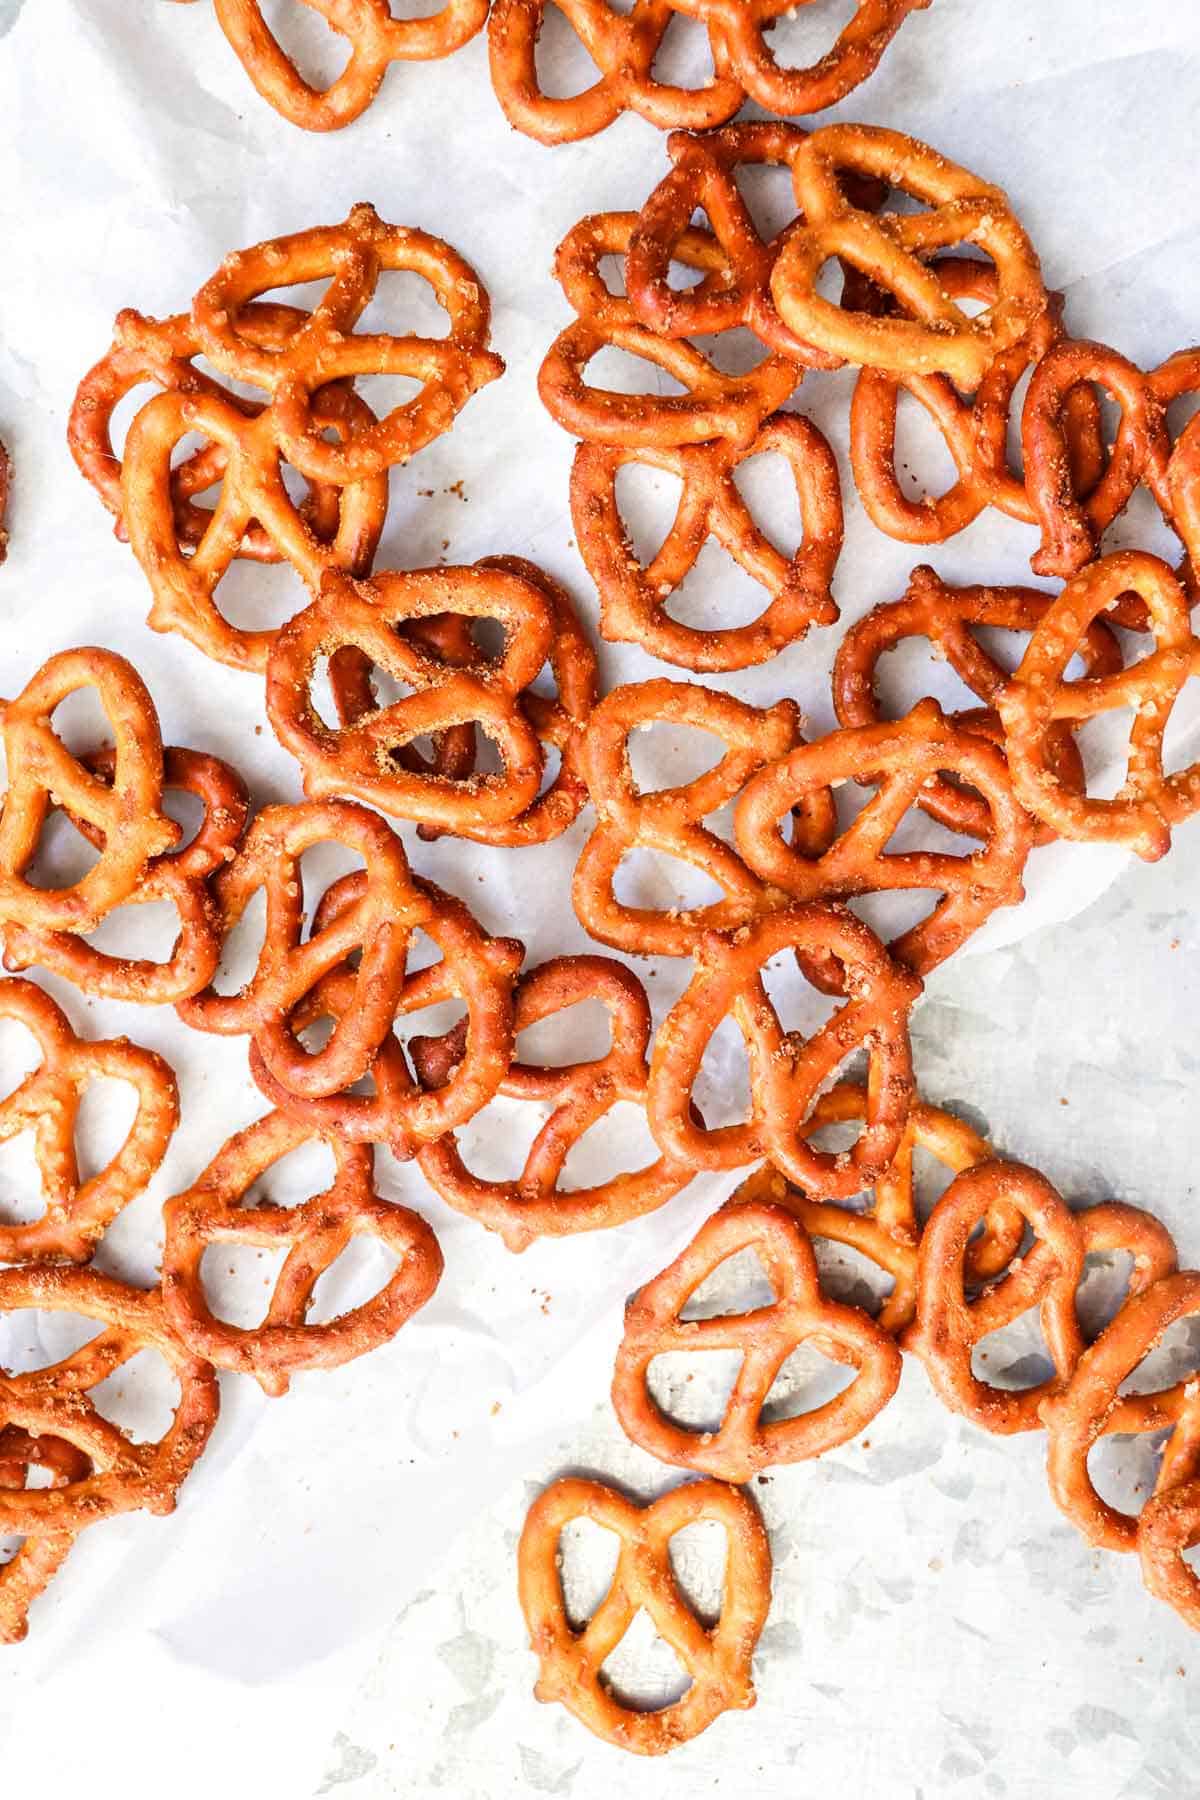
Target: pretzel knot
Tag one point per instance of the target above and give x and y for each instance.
(897, 760)
(474, 969)
(714, 405)
(633, 598)
(124, 810)
(975, 432)
(578, 1095)
(718, 1659)
(948, 1326)
(669, 820)
(314, 1233)
(177, 877)
(623, 45)
(104, 1471)
(376, 39)
(743, 1443)
(38, 1559)
(787, 1070)
(888, 1232)
(360, 756)
(1038, 700)
(892, 250)
(46, 1104)
(949, 617)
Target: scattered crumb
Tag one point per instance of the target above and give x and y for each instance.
(1063, 1101)
(495, 1407)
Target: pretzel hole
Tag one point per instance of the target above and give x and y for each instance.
(140, 1397)
(260, 596)
(308, 40)
(618, 1143)
(721, 1090)
(806, 1381)
(642, 1672)
(580, 1032)
(648, 500)
(921, 457)
(1123, 1468)
(404, 301)
(242, 947)
(360, 1272)
(320, 866)
(684, 55)
(804, 34)
(653, 880)
(238, 1281)
(768, 196)
(386, 394)
(22, 1195)
(693, 1388)
(1174, 1357)
(1014, 1356)
(1103, 743)
(138, 932)
(320, 695)
(738, 1284)
(798, 1005)
(667, 757)
(63, 855)
(850, 1277)
(587, 1562)
(735, 352)
(768, 487)
(31, 1339)
(1180, 745)
(234, 384)
(495, 1143)
(20, 1054)
(107, 1111)
(1102, 1290)
(622, 372)
(562, 66)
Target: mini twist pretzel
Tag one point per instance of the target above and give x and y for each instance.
(948, 1326)
(897, 760)
(376, 38)
(1092, 1405)
(475, 969)
(314, 1233)
(889, 1232)
(1170, 1521)
(360, 757)
(933, 332)
(743, 1444)
(788, 1071)
(27, 1574)
(974, 432)
(1038, 698)
(123, 1475)
(717, 1658)
(946, 616)
(46, 1103)
(740, 29)
(179, 877)
(124, 810)
(623, 45)
(578, 1095)
(633, 598)
(386, 910)
(714, 405)
(669, 820)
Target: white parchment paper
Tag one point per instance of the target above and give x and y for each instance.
(174, 1653)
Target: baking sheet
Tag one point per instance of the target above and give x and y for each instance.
(233, 1636)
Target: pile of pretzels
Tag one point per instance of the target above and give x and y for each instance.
(300, 477)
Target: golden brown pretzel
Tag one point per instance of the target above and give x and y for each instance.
(125, 811)
(315, 1232)
(743, 1444)
(948, 1326)
(1037, 699)
(40, 1556)
(474, 969)
(1169, 1524)
(178, 877)
(787, 1070)
(633, 598)
(577, 1094)
(123, 1475)
(717, 1658)
(623, 44)
(376, 38)
(933, 333)
(947, 617)
(897, 761)
(46, 1104)
(670, 820)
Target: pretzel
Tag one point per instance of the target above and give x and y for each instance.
(623, 46)
(387, 908)
(1170, 1520)
(714, 405)
(46, 1104)
(947, 616)
(897, 760)
(717, 1658)
(948, 1326)
(787, 1071)
(125, 811)
(178, 877)
(633, 598)
(315, 1233)
(475, 969)
(669, 820)
(376, 39)
(975, 432)
(28, 1573)
(740, 30)
(359, 758)
(1141, 814)
(743, 1444)
(934, 333)
(54, 1402)
(889, 1232)
(5, 484)
(578, 1094)
(1179, 375)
